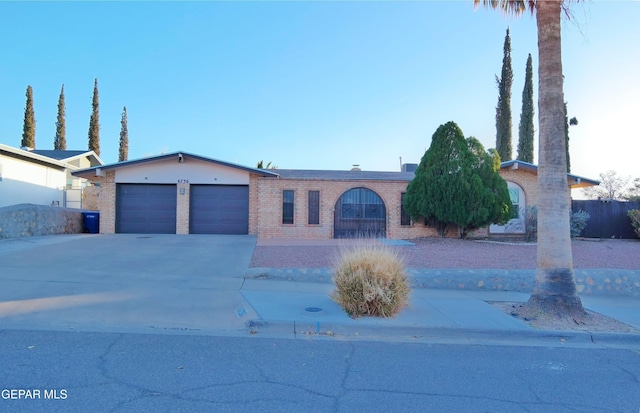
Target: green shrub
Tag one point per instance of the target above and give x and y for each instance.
(578, 222)
(634, 215)
(370, 281)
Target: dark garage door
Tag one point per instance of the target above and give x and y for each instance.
(146, 209)
(219, 209)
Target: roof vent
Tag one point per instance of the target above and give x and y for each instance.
(409, 167)
(26, 148)
(356, 168)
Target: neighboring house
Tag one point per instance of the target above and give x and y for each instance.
(42, 177)
(74, 160)
(189, 194)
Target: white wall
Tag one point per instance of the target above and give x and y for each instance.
(170, 171)
(25, 182)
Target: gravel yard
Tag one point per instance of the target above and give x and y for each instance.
(450, 253)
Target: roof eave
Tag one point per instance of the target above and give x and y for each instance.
(93, 171)
(575, 181)
(27, 155)
(89, 154)
(580, 182)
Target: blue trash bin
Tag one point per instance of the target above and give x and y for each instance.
(91, 222)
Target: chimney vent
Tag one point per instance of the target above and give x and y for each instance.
(409, 167)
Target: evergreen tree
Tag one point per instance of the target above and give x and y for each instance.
(568, 122)
(123, 153)
(94, 122)
(29, 127)
(503, 109)
(566, 137)
(60, 141)
(525, 129)
(457, 183)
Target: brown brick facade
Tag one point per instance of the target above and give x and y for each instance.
(182, 208)
(527, 181)
(265, 205)
(268, 208)
(107, 203)
(253, 204)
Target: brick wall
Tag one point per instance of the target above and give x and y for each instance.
(107, 203)
(182, 208)
(269, 207)
(528, 182)
(254, 204)
(266, 206)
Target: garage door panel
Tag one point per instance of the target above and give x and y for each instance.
(219, 209)
(146, 209)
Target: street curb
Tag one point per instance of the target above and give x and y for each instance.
(622, 340)
(442, 335)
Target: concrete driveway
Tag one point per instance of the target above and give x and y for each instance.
(141, 283)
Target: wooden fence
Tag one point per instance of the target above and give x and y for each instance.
(608, 218)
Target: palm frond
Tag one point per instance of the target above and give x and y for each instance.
(513, 7)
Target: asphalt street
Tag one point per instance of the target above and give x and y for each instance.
(101, 372)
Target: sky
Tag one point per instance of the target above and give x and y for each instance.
(310, 84)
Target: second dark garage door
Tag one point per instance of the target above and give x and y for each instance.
(219, 209)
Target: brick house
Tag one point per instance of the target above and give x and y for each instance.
(182, 193)
(335, 204)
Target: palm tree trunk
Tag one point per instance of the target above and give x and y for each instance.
(555, 288)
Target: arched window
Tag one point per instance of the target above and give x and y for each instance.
(360, 212)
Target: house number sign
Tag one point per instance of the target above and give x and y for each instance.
(183, 181)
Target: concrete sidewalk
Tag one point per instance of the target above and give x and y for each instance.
(434, 315)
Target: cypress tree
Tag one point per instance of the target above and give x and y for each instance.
(29, 127)
(123, 153)
(60, 141)
(94, 122)
(568, 122)
(525, 129)
(503, 109)
(566, 137)
(457, 183)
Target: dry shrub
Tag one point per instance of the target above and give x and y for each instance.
(370, 280)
